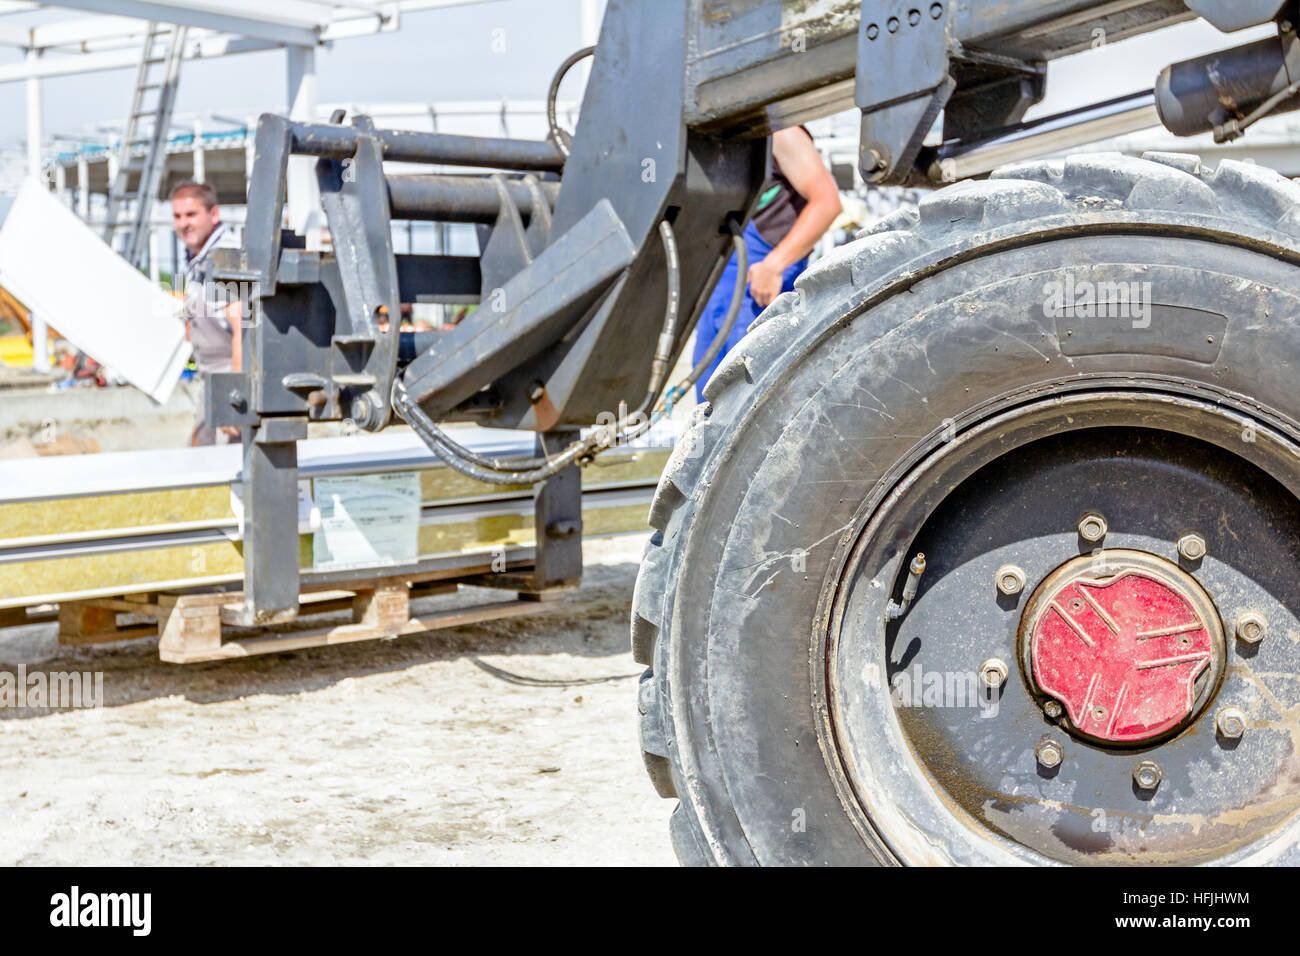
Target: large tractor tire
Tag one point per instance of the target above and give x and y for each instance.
(1075, 388)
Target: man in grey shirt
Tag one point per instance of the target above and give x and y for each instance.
(212, 317)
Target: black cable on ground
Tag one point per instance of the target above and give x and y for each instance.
(525, 681)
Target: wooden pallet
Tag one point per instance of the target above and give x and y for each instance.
(19, 616)
(199, 626)
(95, 621)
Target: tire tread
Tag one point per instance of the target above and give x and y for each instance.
(1019, 196)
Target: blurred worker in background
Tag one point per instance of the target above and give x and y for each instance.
(212, 321)
(796, 207)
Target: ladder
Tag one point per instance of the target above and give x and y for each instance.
(159, 73)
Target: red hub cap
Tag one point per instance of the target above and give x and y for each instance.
(1131, 647)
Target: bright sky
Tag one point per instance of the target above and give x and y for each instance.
(447, 54)
(441, 54)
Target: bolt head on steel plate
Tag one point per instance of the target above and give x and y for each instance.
(993, 673)
(1092, 526)
(1010, 579)
(1049, 753)
(1230, 722)
(1147, 774)
(1192, 547)
(1250, 627)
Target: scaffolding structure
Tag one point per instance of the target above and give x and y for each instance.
(218, 150)
(114, 37)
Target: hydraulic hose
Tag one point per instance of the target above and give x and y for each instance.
(558, 136)
(668, 334)
(521, 471)
(733, 312)
(461, 459)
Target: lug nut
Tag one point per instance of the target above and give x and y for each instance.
(1092, 526)
(1053, 709)
(1049, 753)
(1010, 579)
(1251, 626)
(1230, 722)
(993, 673)
(1147, 774)
(1191, 547)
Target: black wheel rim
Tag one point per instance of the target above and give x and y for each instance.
(933, 784)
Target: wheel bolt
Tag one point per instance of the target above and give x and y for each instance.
(1053, 709)
(1092, 526)
(1192, 547)
(1147, 774)
(1049, 753)
(1230, 722)
(1251, 626)
(1010, 579)
(993, 673)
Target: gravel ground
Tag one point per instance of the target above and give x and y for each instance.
(478, 745)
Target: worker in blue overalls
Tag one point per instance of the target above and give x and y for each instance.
(796, 207)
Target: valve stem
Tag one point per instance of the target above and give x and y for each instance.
(897, 609)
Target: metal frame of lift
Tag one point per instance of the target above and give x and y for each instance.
(571, 278)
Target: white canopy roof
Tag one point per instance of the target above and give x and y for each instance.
(112, 40)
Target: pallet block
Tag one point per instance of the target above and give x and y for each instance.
(191, 626)
(95, 621)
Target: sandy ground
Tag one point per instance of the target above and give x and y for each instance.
(478, 745)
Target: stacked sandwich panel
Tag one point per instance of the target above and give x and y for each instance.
(86, 526)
